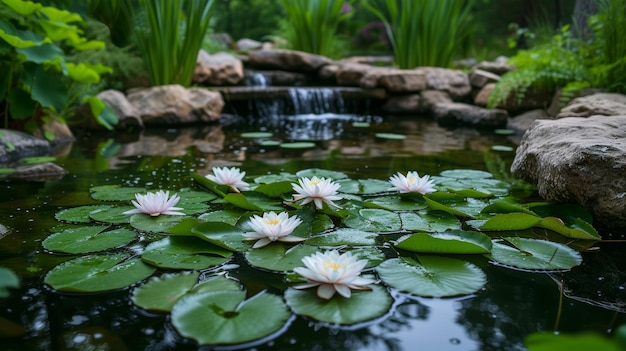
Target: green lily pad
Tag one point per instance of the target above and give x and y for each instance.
(511, 221)
(98, 273)
(432, 276)
(396, 203)
(360, 124)
(504, 131)
(437, 206)
(451, 242)
(298, 145)
(184, 252)
(115, 192)
(344, 236)
(8, 279)
(270, 143)
(226, 216)
(110, 214)
(188, 195)
(433, 221)
(362, 306)
(321, 173)
(279, 257)
(158, 224)
(256, 135)
(88, 239)
(586, 341)
(272, 178)
(275, 189)
(222, 234)
(365, 186)
(534, 254)
(253, 201)
(373, 255)
(225, 317)
(78, 214)
(373, 220)
(161, 293)
(503, 148)
(465, 174)
(391, 136)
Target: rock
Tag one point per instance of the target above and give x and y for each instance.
(578, 160)
(351, 73)
(482, 98)
(429, 98)
(401, 104)
(454, 82)
(479, 78)
(59, 130)
(532, 99)
(127, 115)
(328, 74)
(40, 172)
(246, 44)
(498, 68)
(15, 145)
(275, 78)
(605, 104)
(455, 113)
(173, 104)
(218, 69)
(522, 122)
(288, 60)
(395, 80)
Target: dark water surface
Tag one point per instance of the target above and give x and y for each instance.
(512, 305)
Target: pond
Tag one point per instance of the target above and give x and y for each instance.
(512, 304)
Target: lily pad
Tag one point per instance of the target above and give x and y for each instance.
(503, 148)
(88, 239)
(226, 216)
(98, 273)
(279, 257)
(78, 214)
(222, 234)
(253, 201)
(115, 192)
(433, 221)
(534, 254)
(8, 279)
(159, 224)
(504, 131)
(432, 276)
(184, 252)
(451, 242)
(225, 317)
(111, 214)
(297, 145)
(321, 173)
(362, 306)
(365, 186)
(373, 220)
(396, 203)
(391, 136)
(256, 135)
(344, 236)
(270, 143)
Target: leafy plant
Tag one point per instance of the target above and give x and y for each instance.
(424, 33)
(37, 78)
(313, 24)
(169, 37)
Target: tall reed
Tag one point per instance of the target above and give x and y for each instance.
(313, 23)
(424, 32)
(170, 36)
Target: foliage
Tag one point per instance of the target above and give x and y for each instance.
(169, 37)
(114, 14)
(424, 33)
(312, 24)
(572, 64)
(254, 19)
(543, 341)
(37, 78)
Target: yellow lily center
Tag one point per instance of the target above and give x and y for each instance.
(272, 221)
(333, 265)
(411, 180)
(315, 182)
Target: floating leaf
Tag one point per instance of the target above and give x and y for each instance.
(373, 255)
(275, 189)
(581, 230)
(433, 221)
(115, 193)
(253, 201)
(224, 317)
(88, 239)
(272, 178)
(511, 221)
(391, 136)
(506, 207)
(365, 186)
(279, 257)
(97, 273)
(362, 306)
(320, 173)
(465, 174)
(270, 143)
(109, 214)
(78, 214)
(396, 203)
(373, 220)
(184, 253)
(222, 234)
(433, 276)
(158, 224)
(190, 196)
(451, 242)
(8, 279)
(298, 145)
(360, 124)
(344, 236)
(227, 216)
(256, 135)
(434, 205)
(503, 148)
(586, 341)
(534, 254)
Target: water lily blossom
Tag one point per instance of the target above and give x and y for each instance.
(333, 272)
(273, 227)
(233, 177)
(316, 190)
(412, 183)
(156, 204)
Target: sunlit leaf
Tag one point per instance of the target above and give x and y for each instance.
(227, 216)
(373, 220)
(511, 221)
(451, 242)
(279, 257)
(433, 221)
(275, 189)
(253, 201)
(432, 276)
(184, 252)
(160, 293)
(79, 214)
(396, 203)
(437, 206)
(224, 317)
(113, 215)
(534, 254)
(465, 174)
(222, 234)
(344, 236)
(88, 239)
(362, 306)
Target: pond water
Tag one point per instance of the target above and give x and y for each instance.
(513, 304)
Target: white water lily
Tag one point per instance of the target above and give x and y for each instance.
(412, 183)
(273, 227)
(333, 272)
(156, 204)
(233, 177)
(316, 190)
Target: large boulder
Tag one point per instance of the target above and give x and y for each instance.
(605, 104)
(395, 80)
(15, 145)
(521, 123)
(454, 82)
(288, 60)
(457, 113)
(218, 69)
(578, 160)
(127, 115)
(351, 73)
(173, 104)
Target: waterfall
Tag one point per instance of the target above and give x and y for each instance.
(316, 101)
(257, 79)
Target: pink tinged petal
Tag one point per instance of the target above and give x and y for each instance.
(261, 242)
(343, 290)
(326, 291)
(306, 286)
(318, 203)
